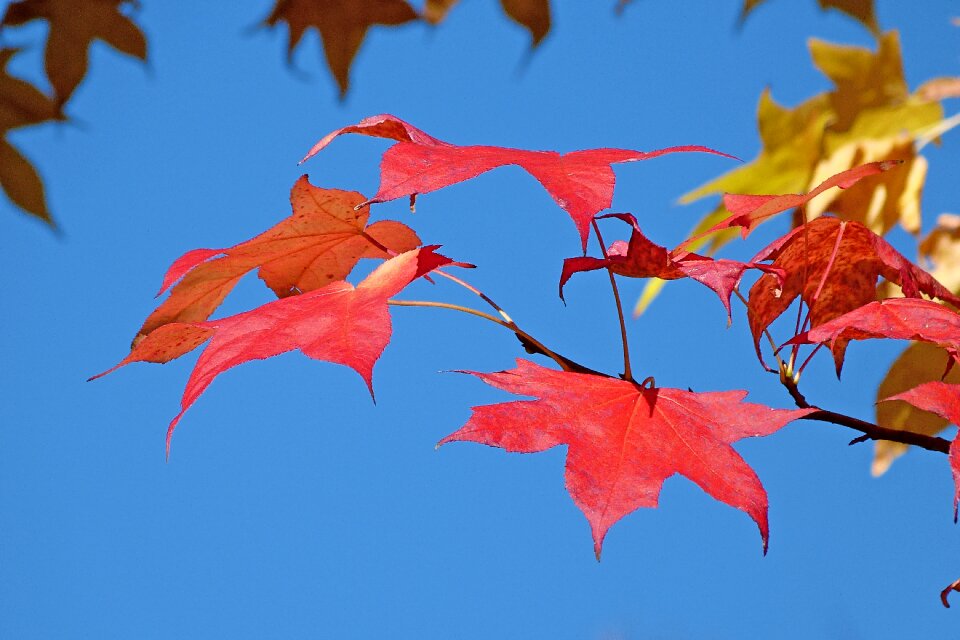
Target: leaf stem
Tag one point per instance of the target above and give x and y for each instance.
(627, 373)
(469, 287)
(773, 345)
(531, 344)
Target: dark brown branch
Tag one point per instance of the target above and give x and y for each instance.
(870, 431)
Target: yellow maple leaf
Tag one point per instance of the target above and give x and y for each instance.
(868, 115)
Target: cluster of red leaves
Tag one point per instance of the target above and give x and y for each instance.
(624, 439)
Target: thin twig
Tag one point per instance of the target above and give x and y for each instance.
(531, 344)
(773, 345)
(627, 373)
(469, 287)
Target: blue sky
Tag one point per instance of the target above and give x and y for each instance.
(291, 505)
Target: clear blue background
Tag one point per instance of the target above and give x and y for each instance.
(292, 506)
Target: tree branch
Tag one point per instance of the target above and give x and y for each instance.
(870, 431)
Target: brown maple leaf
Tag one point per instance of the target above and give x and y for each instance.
(624, 439)
(320, 243)
(860, 10)
(342, 25)
(74, 25)
(533, 15)
(21, 105)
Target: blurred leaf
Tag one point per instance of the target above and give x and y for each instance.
(21, 104)
(74, 25)
(880, 201)
(342, 25)
(22, 183)
(533, 15)
(940, 89)
(860, 10)
(869, 116)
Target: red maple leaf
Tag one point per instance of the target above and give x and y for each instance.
(641, 258)
(338, 323)
(748, 211)
(943, 399)
(624, 440)
(321, 242)
(896, 318)
(580, 182)
(833, 266)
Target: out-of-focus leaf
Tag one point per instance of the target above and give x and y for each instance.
(860, 10)
(940, 89)
(74, 25)
(868, 116)
(22, 104)
(342, 24)
(532, 15)
(880, 201)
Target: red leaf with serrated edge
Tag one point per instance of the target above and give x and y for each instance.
(338, 323)
(624, 440)
(833, 266)
(750, 210)
(641, 258)
(580, 182)
(318, 244)
(943, 399)
(896, 318)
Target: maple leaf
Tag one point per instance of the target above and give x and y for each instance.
(22, 104)
(320, 243)
(533, 15)
(833, 265)
(747, 211)
(860, 10)
(74, 25)
(943, 399)
(641, 258)
(624, 440)
(338, 323)
(581, 182)
(895, 318)
(342, 25)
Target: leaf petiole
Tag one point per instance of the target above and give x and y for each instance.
(531, 344)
